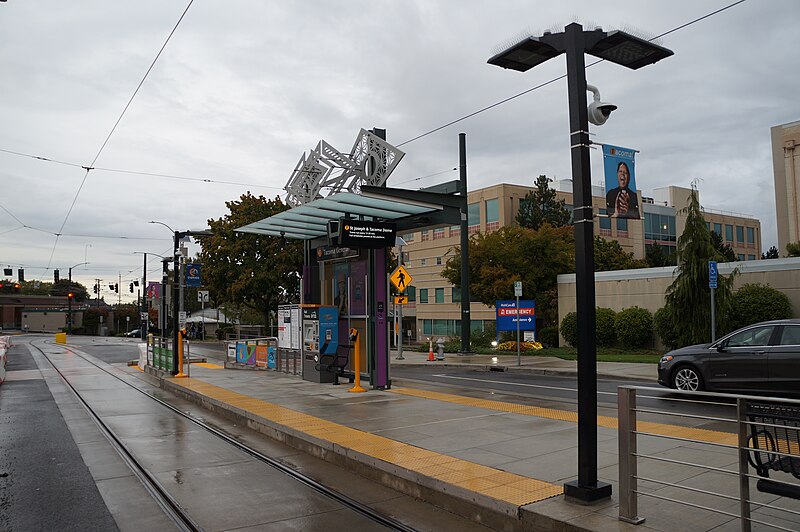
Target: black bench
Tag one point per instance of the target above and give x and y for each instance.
(775, 445)
(335, 363)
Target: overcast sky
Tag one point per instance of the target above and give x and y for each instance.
(243, 88)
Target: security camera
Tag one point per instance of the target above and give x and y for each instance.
(599, 111)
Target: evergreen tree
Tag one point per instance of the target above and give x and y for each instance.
(540, 206)
(656, 257)
(609, 256)
(722, 248)
(688, 298)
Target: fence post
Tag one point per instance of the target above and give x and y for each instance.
(626, 437)
(744, 480)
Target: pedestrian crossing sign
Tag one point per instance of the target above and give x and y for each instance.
(400, 278)
(401, 300)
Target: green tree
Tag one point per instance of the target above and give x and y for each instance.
(771, 254)
(63, 287)
(540, 206)
(609, 256)
(688, 298)
(793, 249)
(256, 271)
(724, 250)
(657, 258)
(499, 258)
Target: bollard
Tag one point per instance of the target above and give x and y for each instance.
(440, 349)
(356, 362)
(61, 338)
(181, 336)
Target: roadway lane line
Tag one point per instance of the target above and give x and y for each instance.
(519, 384)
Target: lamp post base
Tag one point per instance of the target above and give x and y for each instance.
(586, 494)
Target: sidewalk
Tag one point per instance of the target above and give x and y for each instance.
(497, 462)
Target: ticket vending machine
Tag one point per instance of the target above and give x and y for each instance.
(320, 330)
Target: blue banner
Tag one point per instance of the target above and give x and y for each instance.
(507, 315)
(621, 198)
(193, 275)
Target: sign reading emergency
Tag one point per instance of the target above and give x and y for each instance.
(507, 315)
(401, 278)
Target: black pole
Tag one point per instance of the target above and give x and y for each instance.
(175, 303)
(69, 311)
(164, 282)
(466, 328)
(587, 488)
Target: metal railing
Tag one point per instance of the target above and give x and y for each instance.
(672, 452)
(263, 352)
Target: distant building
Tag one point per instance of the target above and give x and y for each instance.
(786, 172)
(434, 308)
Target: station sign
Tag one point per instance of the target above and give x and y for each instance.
(508, 315)
(366, 234)
(326, 253)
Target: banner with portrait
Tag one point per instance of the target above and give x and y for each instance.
(621, 198)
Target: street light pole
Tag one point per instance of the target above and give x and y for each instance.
(69, 312)
(632, 52)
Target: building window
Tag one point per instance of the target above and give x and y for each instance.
(622, 227)
(751, 235)
(740, 256)
(408, 237)
(718, 229)
(456, 295)
(728, 233)
(426, 235)
(423, 295)
(438, 233)
(440, 327)
(455, 230)
(605, 223)
(423, 262)
(427, 327)
(492, 214)
(708, 226)
(740, 234)
(751, 257)
(659, 229)
(411, 292)
(438, 261)
(439, 295)
(474, 217)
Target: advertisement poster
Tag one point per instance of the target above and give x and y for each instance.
(618, 166)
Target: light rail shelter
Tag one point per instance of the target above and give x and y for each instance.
(346, 236)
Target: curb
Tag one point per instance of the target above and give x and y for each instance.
(533, 371)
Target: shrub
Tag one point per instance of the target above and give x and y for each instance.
(549, 336)
(605, 331)
(569, 328)
(664, 326)
(757, 302)
(451, 345)
(483, 338)
(634, 327)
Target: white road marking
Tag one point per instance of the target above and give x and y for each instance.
(518, 384)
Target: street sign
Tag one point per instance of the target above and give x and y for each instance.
(401, 278)
(202, 296)
(712, 274)
(401, 300)
(182, 316)
(517, 288)
(507, 315)
(143, 316)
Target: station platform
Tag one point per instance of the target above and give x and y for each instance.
(496, 460)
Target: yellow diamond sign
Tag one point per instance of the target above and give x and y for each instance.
(401, 278)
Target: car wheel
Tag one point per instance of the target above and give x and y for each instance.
(687, 379)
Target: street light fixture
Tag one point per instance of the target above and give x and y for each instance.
(632, 52)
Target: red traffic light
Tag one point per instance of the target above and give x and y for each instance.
(70, 295)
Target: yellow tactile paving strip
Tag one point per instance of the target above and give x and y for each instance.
(662, 429)
(491, 482)
(207, 365)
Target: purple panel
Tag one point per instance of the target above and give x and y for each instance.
(358, 271)
(381, 320)
(306, 283)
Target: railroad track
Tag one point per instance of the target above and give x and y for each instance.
(161, 495)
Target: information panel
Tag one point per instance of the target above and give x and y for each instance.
(507, 315)
(366, 234)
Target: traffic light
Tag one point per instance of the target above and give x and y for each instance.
(21, 275)
(70, 296)
(16, 288)
(94, 288)
(8, 272)
(116, 288)
(130, 288)
(55, 276)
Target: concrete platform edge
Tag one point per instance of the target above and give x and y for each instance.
(472, 505)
